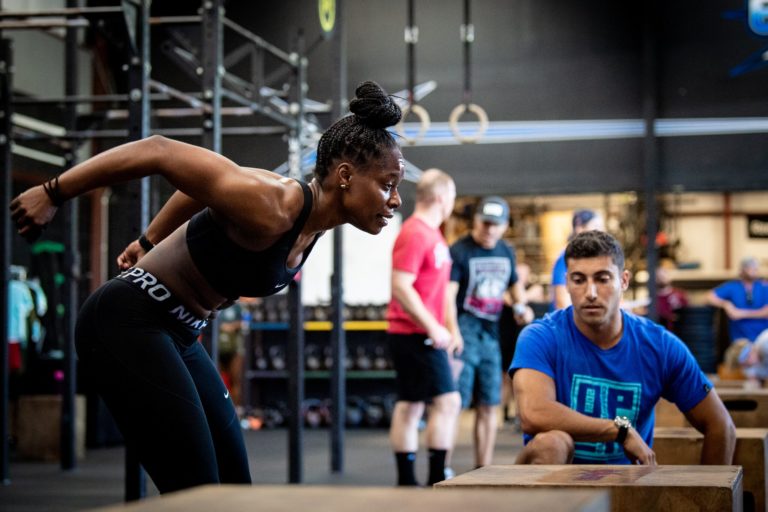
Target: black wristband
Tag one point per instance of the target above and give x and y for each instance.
(145, 243)
(52, 190)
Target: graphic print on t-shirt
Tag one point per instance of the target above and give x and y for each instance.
(442, 254)
(603, 398)
(488, 279)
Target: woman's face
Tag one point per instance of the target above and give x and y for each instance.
(371, 198)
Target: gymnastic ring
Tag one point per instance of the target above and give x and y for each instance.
(457, 112)
(423, 116)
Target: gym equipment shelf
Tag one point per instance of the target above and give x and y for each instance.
(349, 325)
(322, 374)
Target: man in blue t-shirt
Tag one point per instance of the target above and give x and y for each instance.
(745, 301)
(483, 270)
(587, 378)
(582, 220)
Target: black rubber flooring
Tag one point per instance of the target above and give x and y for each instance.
(99, 478)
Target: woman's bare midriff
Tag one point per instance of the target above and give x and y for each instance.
(172, 264)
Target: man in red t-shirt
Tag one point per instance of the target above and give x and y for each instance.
(423, 332)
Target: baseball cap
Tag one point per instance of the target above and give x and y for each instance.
(493, 209)
(582, 217)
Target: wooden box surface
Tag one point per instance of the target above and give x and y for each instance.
(683, 446)
(633, 488)
(300, 498)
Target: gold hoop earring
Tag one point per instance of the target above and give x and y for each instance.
(344, 186)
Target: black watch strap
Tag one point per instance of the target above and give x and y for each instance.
(622, 435)
(145, 243)
(623, 424)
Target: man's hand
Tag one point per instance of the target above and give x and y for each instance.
(440, 336)
(130, 255)
(457, 344)
(637, 451)
(526, 317)
(733, 312)
(32, 210)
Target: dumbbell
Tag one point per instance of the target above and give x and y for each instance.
(362, 360)
(312, 357)
(374, 411)
(312, 412)
(272, 417)
(355, 411)
(277, 357)
(259, 360)
(380, 361)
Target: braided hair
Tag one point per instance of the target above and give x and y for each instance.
(362, 136)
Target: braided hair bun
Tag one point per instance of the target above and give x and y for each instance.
(373, 107)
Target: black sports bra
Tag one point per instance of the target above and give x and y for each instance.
(234, 271)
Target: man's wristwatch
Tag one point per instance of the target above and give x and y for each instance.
(623, 424)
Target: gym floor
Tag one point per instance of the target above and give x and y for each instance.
(98, 479)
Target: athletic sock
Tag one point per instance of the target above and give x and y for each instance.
(406, 462)
(436, 466)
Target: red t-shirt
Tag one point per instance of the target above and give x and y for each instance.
(422, 251)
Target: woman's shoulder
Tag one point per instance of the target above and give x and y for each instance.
(274, 204)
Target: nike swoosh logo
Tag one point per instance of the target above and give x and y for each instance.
(226, 395)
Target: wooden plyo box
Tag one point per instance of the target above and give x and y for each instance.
(668, 415)
(633, 488)
(748, 409)
(683, 446)
(39, 427)
(297, 498)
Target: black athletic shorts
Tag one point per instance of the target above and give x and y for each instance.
(423, 372)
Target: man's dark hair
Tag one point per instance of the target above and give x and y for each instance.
(592, 244)
(360, 138)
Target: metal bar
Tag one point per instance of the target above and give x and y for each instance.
(40, 24)
(138, 128)
(181, 112)
(247, 34)
(168, 132)
(213, 56)
(295, 366)
(651, 164)
(166, 20)
(108, 98)
(6, 91)
(40, 156)
(296, 344)
(61, 12)
(238, 54)
(72, 258)
(338, 334)
(177, 94)
(263, 110)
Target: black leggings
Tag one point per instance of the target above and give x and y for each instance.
(161, 387)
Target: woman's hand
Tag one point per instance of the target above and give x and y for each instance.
(32, 210)
(130, 255)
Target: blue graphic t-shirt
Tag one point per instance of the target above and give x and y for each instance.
(734, 292)
(483, 276)
(628, 379)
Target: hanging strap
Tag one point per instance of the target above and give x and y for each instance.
(411, 38)
(467, 31)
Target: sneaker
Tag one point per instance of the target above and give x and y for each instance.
(449, 473)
